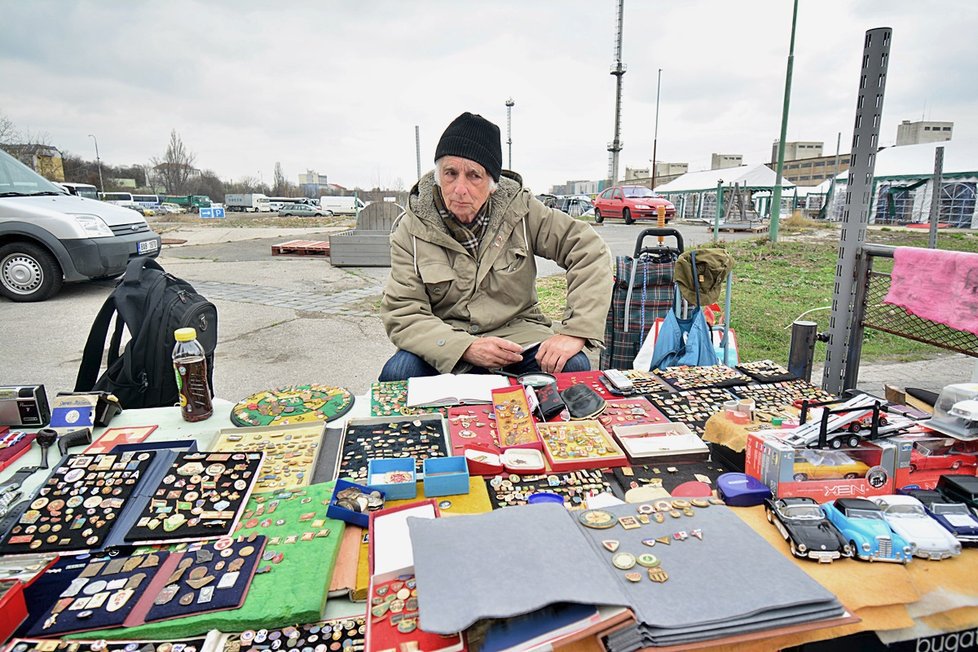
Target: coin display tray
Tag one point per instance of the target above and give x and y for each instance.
(229, 563)
(472, 424)
(291, 452)
(766, 371)
(101, 645)
(292, 404)
(390, 400)
(74, 510)
(776, 397)
(509, 489)
(629, 412)
(200, 497)
(341, 634)
(689, 377)
(420, 437)
(103, 595)
(579, 445)
(514, 421)
(692, 407)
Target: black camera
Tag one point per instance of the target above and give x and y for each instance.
(24, 405)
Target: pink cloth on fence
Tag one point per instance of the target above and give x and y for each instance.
(941, 286)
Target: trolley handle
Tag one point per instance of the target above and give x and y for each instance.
(657, 231)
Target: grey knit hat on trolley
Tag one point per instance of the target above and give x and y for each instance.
(473, 137)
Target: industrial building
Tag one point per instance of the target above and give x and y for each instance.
(923, 131)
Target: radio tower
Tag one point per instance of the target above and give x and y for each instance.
(617, 69)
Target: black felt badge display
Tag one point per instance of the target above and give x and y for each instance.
(421, 437)
(200, 497)
(693, 407)
(78, 505)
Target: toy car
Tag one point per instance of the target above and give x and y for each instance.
(955, 517)
(803, 525)
(814, 464)
(960, 488)
(861, 522)
(906, 517)
(938, 454)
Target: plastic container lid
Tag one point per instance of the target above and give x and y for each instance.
(185, 334)
(776, 422)
(545, 497)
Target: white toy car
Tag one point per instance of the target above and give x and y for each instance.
(906, 516)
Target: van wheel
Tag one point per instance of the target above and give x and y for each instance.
(627, 215)
(598, 217)
(28, 272)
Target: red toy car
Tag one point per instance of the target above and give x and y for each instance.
(630, 203)
(940, 454)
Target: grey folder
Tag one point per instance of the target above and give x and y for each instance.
(519, 559)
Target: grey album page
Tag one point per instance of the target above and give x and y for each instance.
(504, 563)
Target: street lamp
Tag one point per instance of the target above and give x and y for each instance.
(655, 136)
(98, 161)
(509, 130)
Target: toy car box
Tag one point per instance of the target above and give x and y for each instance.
(923, 459)
(821, 474)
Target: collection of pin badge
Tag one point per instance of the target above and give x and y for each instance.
(511, 489)
(514, 422)
(629, 412)
(290, 453)
(599, 519)
(576, 444)
(102, 595)
(292, 404)
(645, 382)
(689, 377)
(421, 437)
(394, 613)
(389, 399)
(77, 506)
(692, 407)
(339, 635)
(261, 515)
(775, 397)
(766, 371)
(199, 497)
(102, 645)
(472, 424)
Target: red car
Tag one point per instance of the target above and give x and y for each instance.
(630, 203)
(930, 454)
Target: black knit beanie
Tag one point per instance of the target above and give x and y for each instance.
(475, 138)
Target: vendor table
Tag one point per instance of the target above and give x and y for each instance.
(898, 602)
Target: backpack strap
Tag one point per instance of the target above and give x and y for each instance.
(92, 357)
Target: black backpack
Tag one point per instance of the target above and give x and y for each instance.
(151, 304)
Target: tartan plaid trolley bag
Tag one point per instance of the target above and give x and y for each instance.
(643, 291)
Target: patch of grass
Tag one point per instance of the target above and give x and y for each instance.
(249, 220)
(798, 222)
(775, 284)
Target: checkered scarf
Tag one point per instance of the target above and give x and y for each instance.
(468, 235)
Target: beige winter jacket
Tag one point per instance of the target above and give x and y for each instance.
(439, 298)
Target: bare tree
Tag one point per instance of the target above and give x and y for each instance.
(176, 166)
(280, 187)
(8, 131)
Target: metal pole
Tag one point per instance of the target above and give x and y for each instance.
(417, 147)
(716, 220)
(98, 161)
(776, 198)
(655, 133)
(935, 196)
(509, 130)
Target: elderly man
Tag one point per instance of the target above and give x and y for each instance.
(462, 291)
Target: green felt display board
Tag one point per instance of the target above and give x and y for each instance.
(294, 591)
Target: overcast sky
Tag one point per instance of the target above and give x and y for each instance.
(338, 87)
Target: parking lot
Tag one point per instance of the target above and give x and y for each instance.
(282, 319)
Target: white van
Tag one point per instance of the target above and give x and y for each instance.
(49, 237)
(341, 205)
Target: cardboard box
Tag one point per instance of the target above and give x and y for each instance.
(821, 474)
(922, 459)
(446, 476)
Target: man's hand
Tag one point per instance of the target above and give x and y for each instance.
(554, 352)
(492, 353)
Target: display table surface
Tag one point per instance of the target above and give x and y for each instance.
(898, 602)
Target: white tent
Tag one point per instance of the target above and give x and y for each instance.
(694, 193)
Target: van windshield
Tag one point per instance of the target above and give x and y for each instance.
(16, 179)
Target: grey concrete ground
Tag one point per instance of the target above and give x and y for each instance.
(285, 319)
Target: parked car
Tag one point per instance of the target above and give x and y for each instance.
(937, 454)
(817, 464)
(956, 518)
(171, 209)
(861, 523)
(804, 526)
(960, 488)
(575, 206)
(630, 203)
(906, 517)
(303, 210)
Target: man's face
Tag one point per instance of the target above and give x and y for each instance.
(464, 186)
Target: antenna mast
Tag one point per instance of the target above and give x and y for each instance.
(617, 69)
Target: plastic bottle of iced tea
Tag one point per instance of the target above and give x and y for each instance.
(190, 367)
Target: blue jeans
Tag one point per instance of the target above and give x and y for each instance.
(404, 364)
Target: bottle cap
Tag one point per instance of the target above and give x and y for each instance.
(185, 334)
